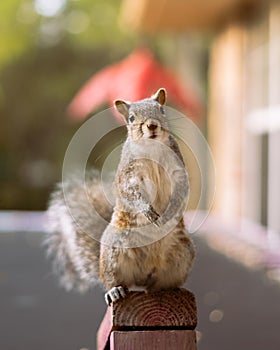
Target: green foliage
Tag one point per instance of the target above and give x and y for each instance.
(43, 63)
(15, 36)
(82, 23)
(35, 130)
(97, 18)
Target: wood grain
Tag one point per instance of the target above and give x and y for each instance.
(141, 312)
(153, 340)
(172, 308)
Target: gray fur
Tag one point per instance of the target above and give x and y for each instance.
(75, 230)
(81, 217)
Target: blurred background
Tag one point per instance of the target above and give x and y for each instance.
(62, 60)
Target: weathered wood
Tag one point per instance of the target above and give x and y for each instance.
(153, 340)
(142, 312)
(104, 331)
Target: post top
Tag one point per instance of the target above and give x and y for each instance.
(167, 309)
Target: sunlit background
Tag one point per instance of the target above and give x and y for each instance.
(63, 60)
(48, 50)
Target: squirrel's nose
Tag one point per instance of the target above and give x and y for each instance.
(152, 127)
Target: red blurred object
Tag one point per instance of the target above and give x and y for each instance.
(136, 77)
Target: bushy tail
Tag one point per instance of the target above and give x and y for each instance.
(77, 215)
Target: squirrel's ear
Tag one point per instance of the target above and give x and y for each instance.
(160, 96)
(123, 108)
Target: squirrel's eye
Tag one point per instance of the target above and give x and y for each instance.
(131, 118)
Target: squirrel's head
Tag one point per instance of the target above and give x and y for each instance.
(145, 119)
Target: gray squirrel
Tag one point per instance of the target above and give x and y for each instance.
(140, 241)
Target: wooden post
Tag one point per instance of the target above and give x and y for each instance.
(157, 321)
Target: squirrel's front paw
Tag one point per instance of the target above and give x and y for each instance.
(152, 216)
(115, 294)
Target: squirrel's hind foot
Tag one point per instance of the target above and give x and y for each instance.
(115, 294)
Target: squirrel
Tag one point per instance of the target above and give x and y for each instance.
(141, 241)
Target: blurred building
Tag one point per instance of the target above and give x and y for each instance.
(243, 121)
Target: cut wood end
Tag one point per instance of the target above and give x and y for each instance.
(168, 309)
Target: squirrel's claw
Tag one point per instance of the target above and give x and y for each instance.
(152, 216)
(156, 223)
(115, 294)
